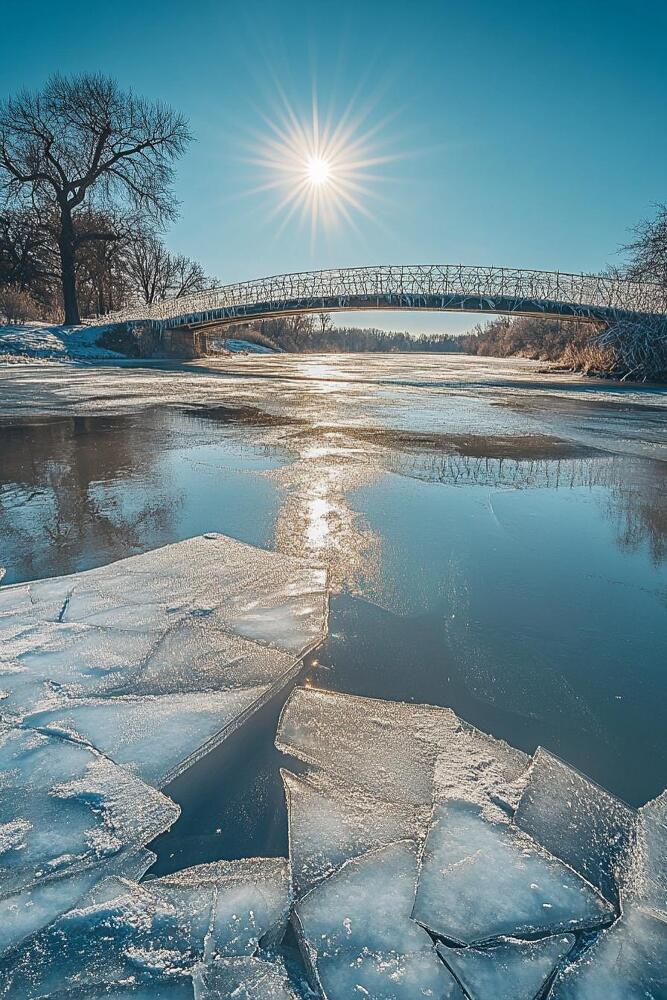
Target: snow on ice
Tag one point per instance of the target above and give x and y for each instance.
(38, 340)
(154, 658)
(513, 914)
(112, 681)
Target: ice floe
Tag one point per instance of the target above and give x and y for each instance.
(154, 932)
(508, 969)
(483, 878)
(626, 962)
(329, 824)
(184, 640)
(112, 681)
(579, 822)
(357, 935)
(64, 807)
(25, 912)
(516, 865)
(426, 858)
(393, 750)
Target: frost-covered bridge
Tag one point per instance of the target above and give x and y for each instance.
(182, 324)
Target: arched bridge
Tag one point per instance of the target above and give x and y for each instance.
(182, 322)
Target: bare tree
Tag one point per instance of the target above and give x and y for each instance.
(149, 267)
(83, 140)
(156, 274)
(648, 252)
(102, 279)
(188, 276)
(28, 256)
(326, 322)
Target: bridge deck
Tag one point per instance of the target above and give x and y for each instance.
(432, 286)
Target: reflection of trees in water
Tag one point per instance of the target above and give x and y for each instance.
(467, 470)
(77, 493)
(639, 511)
(83, 491)
(637, 488)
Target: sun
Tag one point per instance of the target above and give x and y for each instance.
(325, 168)
(318, 170)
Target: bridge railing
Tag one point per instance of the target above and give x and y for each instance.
(595, 291)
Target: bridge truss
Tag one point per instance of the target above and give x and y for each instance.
(452, 287)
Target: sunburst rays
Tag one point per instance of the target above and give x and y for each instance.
(324, 171)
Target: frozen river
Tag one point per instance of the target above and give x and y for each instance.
(496, 539)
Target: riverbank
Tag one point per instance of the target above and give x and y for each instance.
(23, 343)
(20, 343)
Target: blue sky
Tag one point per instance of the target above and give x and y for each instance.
(526, 134)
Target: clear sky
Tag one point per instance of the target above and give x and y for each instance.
(530, 134)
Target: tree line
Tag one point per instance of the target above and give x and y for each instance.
(536, 337)
(318, 334)
(86, 190)
(569, 342)
(502, 336)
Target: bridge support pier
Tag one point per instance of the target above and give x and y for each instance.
(183, 342)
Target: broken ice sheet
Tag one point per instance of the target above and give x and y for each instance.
(134, 935)
(628, 961)
(25, 912)
(508, 969)
(577, 821)
(251, 902)
(389, 749)
(482, 878)
(374, 768)
(154, 932)
(157, 737)
(647, 877)
(104, 654)
(356, 934)
(328, 824)
(65, 807)
(245, 979)
(196, 615)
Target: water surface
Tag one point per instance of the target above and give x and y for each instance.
(496, 539)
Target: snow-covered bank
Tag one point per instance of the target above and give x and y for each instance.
(37, 340)
(19, 343)
(235, 346)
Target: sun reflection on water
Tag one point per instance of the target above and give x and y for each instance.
(316, 520)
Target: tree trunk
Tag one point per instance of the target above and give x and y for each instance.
(67, 267)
